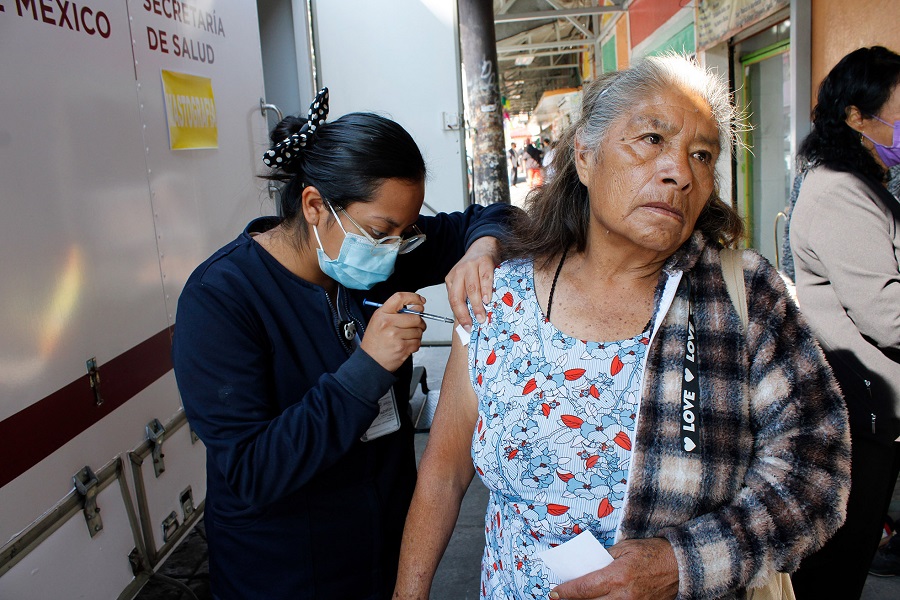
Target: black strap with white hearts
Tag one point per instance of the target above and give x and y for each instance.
(690, 382)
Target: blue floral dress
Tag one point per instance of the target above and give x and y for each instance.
(553, 440)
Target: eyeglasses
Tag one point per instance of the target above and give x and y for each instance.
(404, 244)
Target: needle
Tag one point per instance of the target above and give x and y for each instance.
(407, 311)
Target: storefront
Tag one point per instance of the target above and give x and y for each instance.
(751, 41)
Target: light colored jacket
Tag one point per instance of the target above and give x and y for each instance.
(846, 247)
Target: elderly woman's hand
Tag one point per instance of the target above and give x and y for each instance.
(643, 569)
(473, 278)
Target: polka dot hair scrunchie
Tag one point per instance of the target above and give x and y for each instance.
(284, 151)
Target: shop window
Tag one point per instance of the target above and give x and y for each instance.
(763, 84)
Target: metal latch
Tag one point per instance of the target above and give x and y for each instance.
(87, 487)
(452, 121)
(94, 378)
(187, 503)
(156, 434)
(170, 526)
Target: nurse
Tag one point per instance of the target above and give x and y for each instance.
(299, 391)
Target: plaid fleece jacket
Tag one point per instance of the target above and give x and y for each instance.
(768, 481)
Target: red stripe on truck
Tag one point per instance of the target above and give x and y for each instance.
(36, 432)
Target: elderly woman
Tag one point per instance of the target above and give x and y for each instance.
(613, 389)
(845, 237)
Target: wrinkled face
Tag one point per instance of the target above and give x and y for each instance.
(654, 173)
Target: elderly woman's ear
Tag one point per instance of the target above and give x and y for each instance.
(584, 161)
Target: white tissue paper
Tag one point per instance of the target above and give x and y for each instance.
(579, 556)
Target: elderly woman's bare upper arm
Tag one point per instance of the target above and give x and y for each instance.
(457, 409)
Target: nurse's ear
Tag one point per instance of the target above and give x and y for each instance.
(314, 208)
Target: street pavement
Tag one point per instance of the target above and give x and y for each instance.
(517, 194)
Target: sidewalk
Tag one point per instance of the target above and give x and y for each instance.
(458, 574)
(517, 194)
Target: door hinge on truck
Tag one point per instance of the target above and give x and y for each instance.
(87, 487)
(156, 435)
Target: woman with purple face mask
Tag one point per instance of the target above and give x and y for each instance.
(889, 155)
(845, 238)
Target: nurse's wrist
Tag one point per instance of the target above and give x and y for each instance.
(364, 378)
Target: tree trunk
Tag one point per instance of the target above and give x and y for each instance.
(484, 112)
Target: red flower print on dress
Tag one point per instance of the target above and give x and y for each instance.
(617, 366)
(572, 421)
(623, 440)
(605, 508)
(573, 374)
(557, 509)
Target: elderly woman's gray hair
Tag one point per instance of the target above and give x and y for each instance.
(613, 94)
(559, 212)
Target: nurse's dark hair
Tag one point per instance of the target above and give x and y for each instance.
(347, 161)
(865, 79)
(558, 213)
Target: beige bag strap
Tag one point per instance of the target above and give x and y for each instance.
(733, 273)
(779, 587)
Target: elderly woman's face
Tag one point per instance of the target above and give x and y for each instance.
(653, 174)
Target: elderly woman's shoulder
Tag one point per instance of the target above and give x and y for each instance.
(519, 267)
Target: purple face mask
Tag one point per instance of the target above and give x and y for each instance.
(890, 155)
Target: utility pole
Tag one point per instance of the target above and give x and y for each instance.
(485, 112)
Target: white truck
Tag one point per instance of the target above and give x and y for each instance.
(131, 133)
